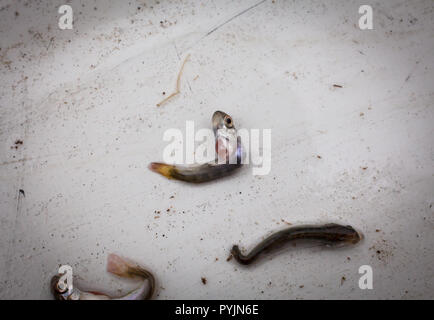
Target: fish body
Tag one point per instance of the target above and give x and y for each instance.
(195, 174)
(228, 159)
(329, 234)
(115, 265)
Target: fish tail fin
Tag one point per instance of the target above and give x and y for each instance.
(118, 266)
(125, 269)
(162, 168)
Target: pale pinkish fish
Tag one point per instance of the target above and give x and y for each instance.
(115, 265)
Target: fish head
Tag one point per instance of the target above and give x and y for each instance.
(221, 120)
(226, 136)
(347, 234)
(60, 290)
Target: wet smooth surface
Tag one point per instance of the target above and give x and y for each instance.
(79, 125)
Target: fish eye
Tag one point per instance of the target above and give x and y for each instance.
(228, 121)
(61, 287)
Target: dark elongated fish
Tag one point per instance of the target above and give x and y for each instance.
(329, 234)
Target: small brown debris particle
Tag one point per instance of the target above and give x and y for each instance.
(167, 210)
(364, 168)
(171, 197)
(216, 259)
(377, 230)
(337, 86)
(362, 114)
(229, 258)
(343, 280)
(301, 287)
(203, 280)
(17, 142)
(348, 258)
(319, 157)
(156, 217)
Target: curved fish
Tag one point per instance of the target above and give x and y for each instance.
(228, 159)
(329, 234)
(117, 266)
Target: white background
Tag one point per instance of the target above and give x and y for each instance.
(83, 102)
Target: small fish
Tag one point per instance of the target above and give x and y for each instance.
(115, 265)
(228, 151)
(329, 234)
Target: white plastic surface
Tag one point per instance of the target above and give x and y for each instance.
(83, 103)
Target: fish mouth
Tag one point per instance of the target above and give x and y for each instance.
(360, 236)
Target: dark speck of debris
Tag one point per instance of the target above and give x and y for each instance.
(16, 144)
(301, 287)
(377, 230)
(319, 157)
(164, 93)
(229, 258)
(21, 191)
(203, 280)
(337, 86)
(343, 280)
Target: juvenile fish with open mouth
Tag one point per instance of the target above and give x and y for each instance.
(228, 150)
(117, 266)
